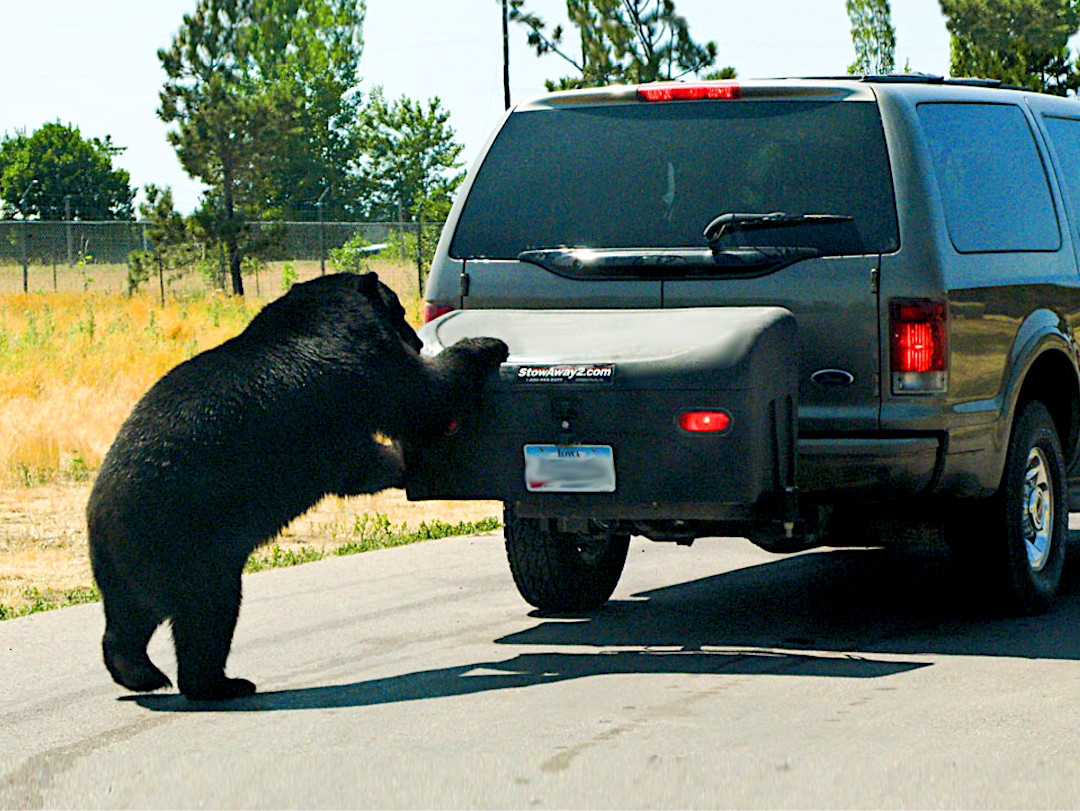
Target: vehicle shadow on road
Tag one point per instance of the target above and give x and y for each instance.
(841, 613)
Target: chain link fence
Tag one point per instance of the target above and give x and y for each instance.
(92, 245)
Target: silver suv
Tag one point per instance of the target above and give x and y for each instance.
(801, 311)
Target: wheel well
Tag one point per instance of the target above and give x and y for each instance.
(1052, 381)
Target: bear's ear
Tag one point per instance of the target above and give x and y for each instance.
(368, 283)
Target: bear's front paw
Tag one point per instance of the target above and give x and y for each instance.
(485, 352)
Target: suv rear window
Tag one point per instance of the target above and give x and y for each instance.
(653, 175)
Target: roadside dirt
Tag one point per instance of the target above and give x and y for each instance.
(43, 532)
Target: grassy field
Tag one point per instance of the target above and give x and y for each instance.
(73, 364)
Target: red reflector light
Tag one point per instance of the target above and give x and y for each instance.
(704, 421)
(433, 311)
(679, 91)
(918, 339)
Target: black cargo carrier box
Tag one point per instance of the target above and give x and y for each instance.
(624, 414)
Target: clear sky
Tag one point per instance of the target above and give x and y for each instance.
(94, 64)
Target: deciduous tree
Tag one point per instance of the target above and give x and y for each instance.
(410, 162)
(56, 163)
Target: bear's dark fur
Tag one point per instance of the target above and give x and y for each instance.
(230, 446)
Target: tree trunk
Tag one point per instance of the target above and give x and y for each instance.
(234, 269)
(231, 242)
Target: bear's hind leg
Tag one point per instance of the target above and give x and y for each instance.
(203, 626)
(128, 628)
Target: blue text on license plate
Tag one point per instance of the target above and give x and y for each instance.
(569, 469)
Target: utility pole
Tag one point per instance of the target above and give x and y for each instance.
(25, 251)
(506, 56)
(322, 241)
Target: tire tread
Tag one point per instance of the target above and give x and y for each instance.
(550, 573)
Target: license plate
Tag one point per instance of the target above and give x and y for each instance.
(569, 469)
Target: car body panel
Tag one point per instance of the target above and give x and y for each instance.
(1009, 313)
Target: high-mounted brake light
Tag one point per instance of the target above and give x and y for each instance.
(433, 311)
(918, 344)
(704, 421)
(679, 91)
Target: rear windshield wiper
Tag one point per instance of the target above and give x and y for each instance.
(732, 222)
(665, 263)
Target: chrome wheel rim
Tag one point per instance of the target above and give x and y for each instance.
(1038, 510)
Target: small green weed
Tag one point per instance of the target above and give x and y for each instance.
(289, 277)
(32, 475)
(277, 558)
(77, 469)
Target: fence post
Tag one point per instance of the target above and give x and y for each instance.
(420, 257)
(25, 250)
(322, 242)
(322, 237)
(67, 228)
(25, 259)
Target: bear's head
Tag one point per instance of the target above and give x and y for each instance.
(386, 301)
(340, 299)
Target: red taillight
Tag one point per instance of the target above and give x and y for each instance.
(433, 311)
(678, 91)
(916, 349)
(918, 343)
(704, 421)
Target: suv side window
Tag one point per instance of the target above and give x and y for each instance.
(1065, 136)
(993, 185)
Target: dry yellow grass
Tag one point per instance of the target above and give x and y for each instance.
(112, 279)
(73, 364)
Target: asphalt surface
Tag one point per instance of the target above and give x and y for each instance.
(719, 676)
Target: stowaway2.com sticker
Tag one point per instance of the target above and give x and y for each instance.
(591, 373)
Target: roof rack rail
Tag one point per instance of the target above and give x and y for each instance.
(913, 77)
(976, 81)
(933, 78)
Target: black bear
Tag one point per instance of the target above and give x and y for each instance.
(230, 446)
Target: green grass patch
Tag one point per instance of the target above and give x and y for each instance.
(367, 533)
(48, 600)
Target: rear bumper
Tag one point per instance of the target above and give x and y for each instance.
(841, 468)
(885, 466)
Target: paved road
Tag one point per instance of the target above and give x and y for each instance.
(718, 676)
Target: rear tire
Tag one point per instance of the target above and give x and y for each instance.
(1016, 540)
(560, 571)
